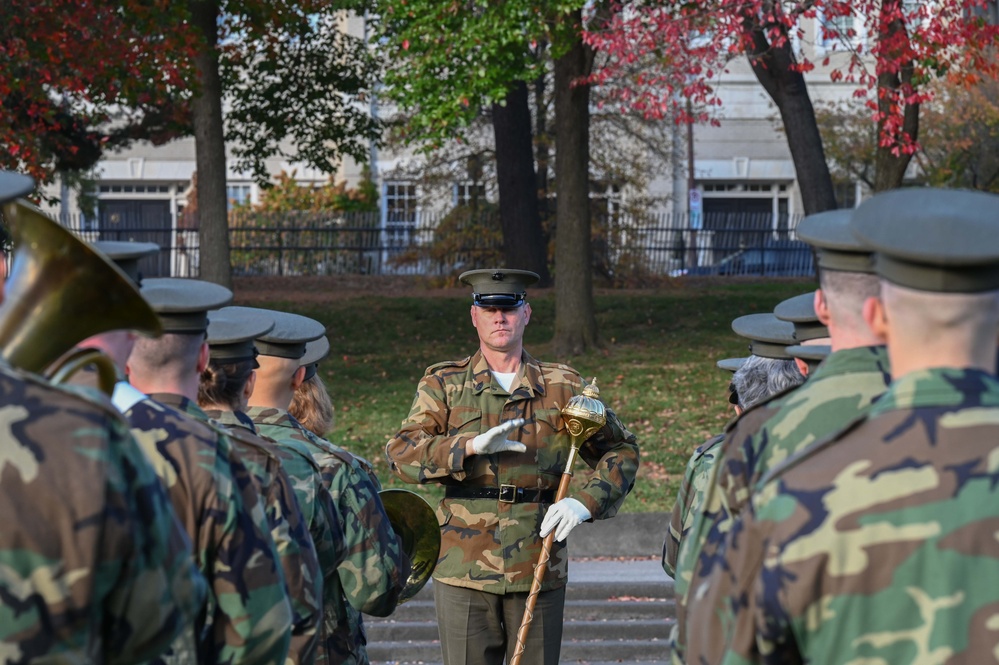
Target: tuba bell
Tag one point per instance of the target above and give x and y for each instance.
(60, 292)
(414, 521)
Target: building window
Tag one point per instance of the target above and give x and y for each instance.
(466, 192)
(237, 194)
(400, 203)
(838, 30)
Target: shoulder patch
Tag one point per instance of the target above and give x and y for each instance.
(447, 363)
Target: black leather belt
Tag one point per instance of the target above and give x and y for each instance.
(503, 494)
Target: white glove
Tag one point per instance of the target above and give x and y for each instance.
(563, 517)
(495, 441)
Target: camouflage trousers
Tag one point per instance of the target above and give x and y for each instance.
(479, 628)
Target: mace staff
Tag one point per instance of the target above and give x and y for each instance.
(583, 415)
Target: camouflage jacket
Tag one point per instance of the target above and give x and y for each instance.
(320, 514)
(302, 575)
(700, 469)
(94, 566)
(375, 569)
(248, 618)
(876, 545)
(844, 385)
(487, 544)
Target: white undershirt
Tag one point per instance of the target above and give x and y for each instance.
(505, 378)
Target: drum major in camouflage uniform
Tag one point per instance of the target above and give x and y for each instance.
(225, 387)
(489, 429)
(95, 565)
(878, 543)
(249, 616)
(375, 569)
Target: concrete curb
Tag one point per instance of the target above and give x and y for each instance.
(627, 535)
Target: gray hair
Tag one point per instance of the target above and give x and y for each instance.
(760, 378)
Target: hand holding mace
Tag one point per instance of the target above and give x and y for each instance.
(584, 415)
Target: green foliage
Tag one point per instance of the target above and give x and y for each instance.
(287, 195)
(446, 61)
(657, 370)
(295, 83)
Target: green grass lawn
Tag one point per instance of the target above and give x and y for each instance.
(656, 368)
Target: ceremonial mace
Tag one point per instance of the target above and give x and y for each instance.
(583, 415)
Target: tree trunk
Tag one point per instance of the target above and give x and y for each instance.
(889, 169)
(542, 146)
(523, 242)
(213, 225)
(575, 322)
(773, 67)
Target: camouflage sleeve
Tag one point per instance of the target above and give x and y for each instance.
(159, 591)
(688, 500)
(612, 454)
(254, 613)
(300, 564)
(728, 624)
(375, 569)
(422, 450)
(738, 470)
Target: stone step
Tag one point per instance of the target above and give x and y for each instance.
(591, 609)
(590, 652)
(609, 629)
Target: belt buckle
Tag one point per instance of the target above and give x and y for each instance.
(508, 493)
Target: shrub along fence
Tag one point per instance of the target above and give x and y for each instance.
(625, 248)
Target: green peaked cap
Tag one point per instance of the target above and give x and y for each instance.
(183, 304)
(232, 330)
(768, 336)
(499, 287)
(836, 248)
(800, 312)
(929, 239)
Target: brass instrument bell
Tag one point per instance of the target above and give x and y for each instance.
(60, 292)
(415, 522)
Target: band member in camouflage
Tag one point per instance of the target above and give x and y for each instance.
(489, 428)
(94, 566)
(876, 544)
(375, 569)
(848, 381)
(226, 384)
(248, 618)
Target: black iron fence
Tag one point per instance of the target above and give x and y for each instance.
(624, 247)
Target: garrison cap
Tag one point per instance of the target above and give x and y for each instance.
(315, 351)
(929, 239)
(183, 304)
(126, 255)
(14, 185)
(836, 248)
(499, 287)
(800, 311)
(231, 331)
(768, 336)
(289, 335)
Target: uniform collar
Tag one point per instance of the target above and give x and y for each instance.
(528, 384)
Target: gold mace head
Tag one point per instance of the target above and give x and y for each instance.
(585, 414)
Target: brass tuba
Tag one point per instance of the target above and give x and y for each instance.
(414, 521)
(60, 292)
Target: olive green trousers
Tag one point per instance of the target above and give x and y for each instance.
(479, 628)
